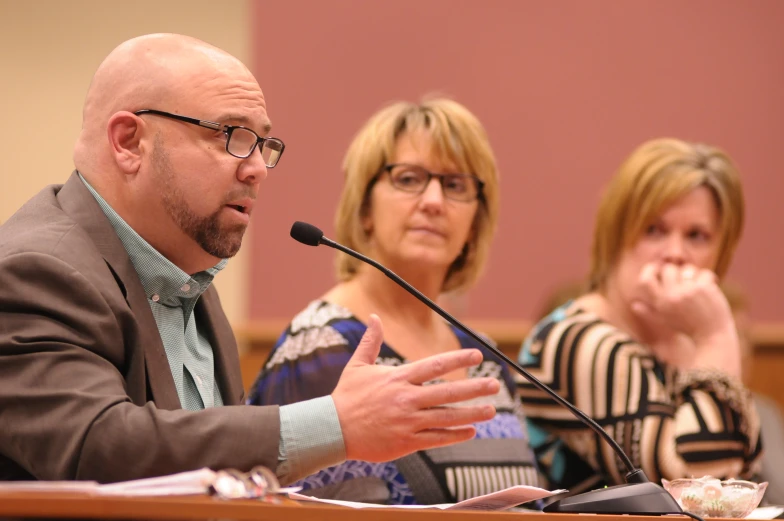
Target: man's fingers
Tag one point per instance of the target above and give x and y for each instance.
(432, 438)
(434, 366)
(457, 391)
(450, 417)
(370, 344)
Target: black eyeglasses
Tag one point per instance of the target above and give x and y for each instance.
(240, 141)
(415, 179)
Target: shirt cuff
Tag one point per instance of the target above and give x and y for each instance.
(310, 439)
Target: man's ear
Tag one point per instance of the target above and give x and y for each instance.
(124, 131)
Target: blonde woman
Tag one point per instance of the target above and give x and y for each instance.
(421, 197)
(651, 351)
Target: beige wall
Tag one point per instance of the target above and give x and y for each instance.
(49, 51)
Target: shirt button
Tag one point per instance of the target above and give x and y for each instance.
(186, 287)
(198, 380)
(155, 298)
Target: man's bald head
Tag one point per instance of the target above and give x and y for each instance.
(149, 71)
(175, 184)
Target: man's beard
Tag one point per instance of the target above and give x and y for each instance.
(220, 241)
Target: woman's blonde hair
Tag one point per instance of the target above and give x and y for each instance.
(653, 177)
(457, 137)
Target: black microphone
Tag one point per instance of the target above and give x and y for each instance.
(639, 496)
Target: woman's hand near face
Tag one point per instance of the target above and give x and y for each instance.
(687, 300)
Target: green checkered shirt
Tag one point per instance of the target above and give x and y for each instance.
(172, 295)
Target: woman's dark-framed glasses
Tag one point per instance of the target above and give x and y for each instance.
(415, 179)
(240, 141)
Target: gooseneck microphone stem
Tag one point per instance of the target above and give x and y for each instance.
(638, 496)
(528, 376)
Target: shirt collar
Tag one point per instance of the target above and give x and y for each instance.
(162, 280)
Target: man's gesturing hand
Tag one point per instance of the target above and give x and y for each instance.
(386, 413)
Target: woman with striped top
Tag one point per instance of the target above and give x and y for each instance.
(651, 351)
(421, 197)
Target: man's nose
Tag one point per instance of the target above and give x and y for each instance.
(252, 169)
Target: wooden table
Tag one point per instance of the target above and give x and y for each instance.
(31, 505)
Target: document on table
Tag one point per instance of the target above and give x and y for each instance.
(182, 484)
(501, 500)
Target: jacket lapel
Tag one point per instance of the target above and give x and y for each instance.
(76, 200)
(214, 325)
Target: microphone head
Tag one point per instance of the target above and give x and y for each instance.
(306, 233)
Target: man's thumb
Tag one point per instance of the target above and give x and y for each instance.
(370, 345)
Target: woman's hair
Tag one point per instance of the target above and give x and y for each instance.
(455, 136)
(653, 177)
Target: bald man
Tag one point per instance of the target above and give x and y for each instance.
(116, 360)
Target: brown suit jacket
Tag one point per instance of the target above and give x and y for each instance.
(85, 386)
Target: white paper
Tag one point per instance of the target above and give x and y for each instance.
(765, 513)
(196, 482)
(49, 486)
(504, 499)
(354, 504)
(501, 500)
(182, 484)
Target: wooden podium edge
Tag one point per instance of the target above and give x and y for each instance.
(87, 506)
(763, 335)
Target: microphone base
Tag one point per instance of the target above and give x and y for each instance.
(644, 499)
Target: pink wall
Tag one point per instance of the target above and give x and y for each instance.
(566, 89)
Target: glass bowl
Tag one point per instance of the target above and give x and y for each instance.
(710, 497)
